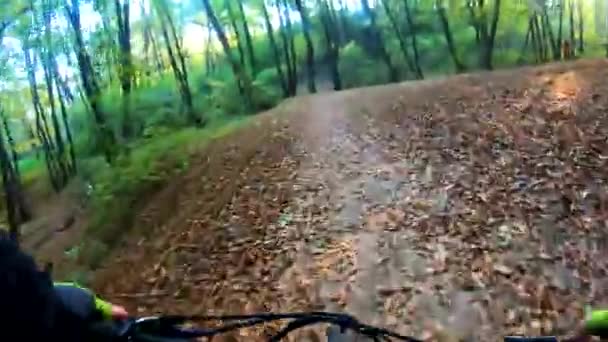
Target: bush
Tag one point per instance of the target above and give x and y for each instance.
(267, 92)
(357, 69)
(118, 188)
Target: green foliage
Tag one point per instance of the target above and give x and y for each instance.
(267, 90)
(157, 113)
(117, 190)
(357, 69)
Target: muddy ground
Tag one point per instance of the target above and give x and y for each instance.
(465, 208)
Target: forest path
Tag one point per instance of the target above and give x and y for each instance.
(466, 208)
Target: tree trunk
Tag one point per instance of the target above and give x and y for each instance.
(150, 41)
(552, 41)
(414, 38)
(177, 61)
(572, 29)
(393, 74)
(181, 60)
(11, 144)
(125, 71)
(292, 48)
(402, 45)
(474, 22)
(541, 40)
(560, 28)
(41, 126)
(89, 81)
(237, 69)
(64, 119)
(529, 36)
(288, 47)
(17, 209)
(237, 34)
(488, 38)
(332, 40)
(447, 32)
(8, 183)
(248, 39)
(275, 49)
(285, 46)
(60, 153)
(581, 27)
(345, 30)
(310, 52)
(184, 89)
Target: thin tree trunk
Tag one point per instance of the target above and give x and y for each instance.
(474, 21)
(208, 61)
(560, 28)
(285, 39)
(11, 144)
(177, 61)
(491, 37)
(181, 61)
(414, 38)
(89, 81)
(275, 49)
(237, 69)
(237, 34)
(183, 88)
(581, 27)
(343, 26)
(447, 32)
(402, 44)
(393, 74)
(310, 52)
(292, 48)
(487, 36)
(10, 192)
(150, 41)
(125, 71)
(17, 208)
(248, 39)
(41, 126)
(540, 39)
(160, 67)
(572, 29)
(332, 39)
(552, 41)
(47, 59)
(64, 119)
(529, 36)
(60, 153)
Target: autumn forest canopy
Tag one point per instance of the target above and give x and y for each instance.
(97, 91)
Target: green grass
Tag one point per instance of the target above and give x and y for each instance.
(120, 188)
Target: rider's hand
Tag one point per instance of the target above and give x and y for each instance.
(119, 313)
(85, 305)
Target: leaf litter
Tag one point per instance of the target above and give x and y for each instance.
(468, 208)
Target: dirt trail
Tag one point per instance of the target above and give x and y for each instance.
(458, 209)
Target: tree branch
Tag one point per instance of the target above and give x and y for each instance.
(4, 24)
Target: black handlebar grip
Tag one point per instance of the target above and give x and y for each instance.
(531, 339)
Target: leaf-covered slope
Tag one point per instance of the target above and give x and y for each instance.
(473, 206)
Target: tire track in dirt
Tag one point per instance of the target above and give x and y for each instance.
(351, 253)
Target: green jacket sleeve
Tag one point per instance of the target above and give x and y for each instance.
(596, 323)
(82, 301)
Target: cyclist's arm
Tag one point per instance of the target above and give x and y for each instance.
(596, 323)
(83, 302)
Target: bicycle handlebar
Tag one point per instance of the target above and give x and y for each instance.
(170, 328)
